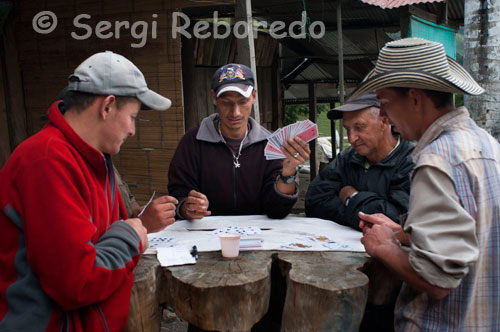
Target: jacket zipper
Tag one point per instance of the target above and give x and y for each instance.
(65, 324)
(235, 198)
(102, 317)
(234, 187)
(106, 194)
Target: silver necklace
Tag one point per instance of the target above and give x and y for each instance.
(236, 161)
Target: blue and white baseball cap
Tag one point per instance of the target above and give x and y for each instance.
(233, 77)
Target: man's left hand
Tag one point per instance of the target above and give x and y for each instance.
(297, 152)
(159, 214)
(346, 192)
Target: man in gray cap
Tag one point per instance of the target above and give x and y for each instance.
(68, 249)
(221, 163)
(447, 247)
(371, 175)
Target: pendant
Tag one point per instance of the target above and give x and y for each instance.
(236, 164)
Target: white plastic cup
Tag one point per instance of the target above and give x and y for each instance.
(230, 244)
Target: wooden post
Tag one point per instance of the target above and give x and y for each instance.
(313, 117)
(404, 17)
(277, 93)
(12, 86)
(245, 46)
(341, 68)
(188, 84)
(333, 130)
(4, 128)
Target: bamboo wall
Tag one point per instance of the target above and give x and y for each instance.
(46, 61)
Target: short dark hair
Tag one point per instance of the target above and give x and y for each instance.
(440, 99)
(81, 100)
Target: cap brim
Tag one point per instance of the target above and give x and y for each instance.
(243, 89)
(154, 101)
(336, 113)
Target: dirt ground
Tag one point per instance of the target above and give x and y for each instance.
(172, 323)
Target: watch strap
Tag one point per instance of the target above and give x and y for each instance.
(349, 198)
(287, 179)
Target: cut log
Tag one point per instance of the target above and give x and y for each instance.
(325, 291)
(219, 294)
(145, 309)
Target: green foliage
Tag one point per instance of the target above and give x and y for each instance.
(459, 100)
(294, 113)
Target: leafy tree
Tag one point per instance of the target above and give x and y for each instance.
(294, 113)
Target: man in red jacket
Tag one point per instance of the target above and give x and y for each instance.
(67, 248)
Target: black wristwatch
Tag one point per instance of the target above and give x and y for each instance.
(287, 179)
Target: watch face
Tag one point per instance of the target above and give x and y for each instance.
(287, 179)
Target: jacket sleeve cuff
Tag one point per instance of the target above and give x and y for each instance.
(117, 247)
(295, 194)
(178, 215)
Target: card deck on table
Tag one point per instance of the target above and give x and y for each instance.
(306, 130)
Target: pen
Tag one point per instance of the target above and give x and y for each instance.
(145, 206)
(194, 252)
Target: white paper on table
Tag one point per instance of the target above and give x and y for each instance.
(174, 256)
(277, 234)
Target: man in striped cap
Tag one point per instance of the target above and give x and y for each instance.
(447, 247)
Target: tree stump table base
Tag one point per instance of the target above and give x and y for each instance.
(312, 291)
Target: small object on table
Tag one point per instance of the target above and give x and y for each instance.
(230, 244)
(194, 252)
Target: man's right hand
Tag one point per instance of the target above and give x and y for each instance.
(159, 214)
(195, 206)
(139, 228)
(368, 220)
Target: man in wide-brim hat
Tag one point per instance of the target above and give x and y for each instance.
(450, 265)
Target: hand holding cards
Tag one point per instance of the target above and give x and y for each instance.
(306, 130)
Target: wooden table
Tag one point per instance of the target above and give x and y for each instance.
(261, 291)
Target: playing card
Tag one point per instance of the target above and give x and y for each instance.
(309, 134)
(245, 230)
(306, 130)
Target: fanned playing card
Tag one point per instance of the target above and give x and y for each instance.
(306, 130)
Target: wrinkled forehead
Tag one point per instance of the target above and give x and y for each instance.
(368, 114)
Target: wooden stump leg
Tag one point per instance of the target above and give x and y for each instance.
(145, 309)
(221, 294)
(325, 292)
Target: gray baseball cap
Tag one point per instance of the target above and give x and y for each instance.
(365, 101)
(108, 73)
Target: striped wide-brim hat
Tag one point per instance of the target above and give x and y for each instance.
(417, 63)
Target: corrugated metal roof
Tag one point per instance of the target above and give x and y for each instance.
(397, 3)
(367, 26)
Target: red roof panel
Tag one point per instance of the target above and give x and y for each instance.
(397, 3)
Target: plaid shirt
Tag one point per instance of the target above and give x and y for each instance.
(470, 157)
